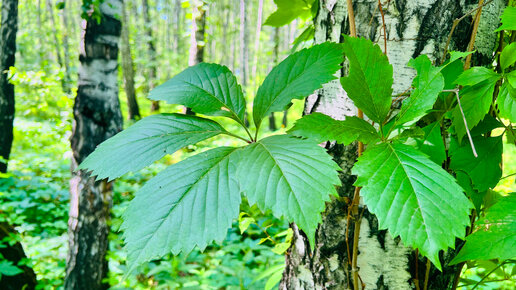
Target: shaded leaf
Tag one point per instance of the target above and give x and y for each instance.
(484, 170)
(206, 88)
(369, 82)
(321, 127)
(296, 77)
(413, 197)
(291, 177)
(495, 234)
(432, 144)
(191, 203)
(288, 10)
(147, 141)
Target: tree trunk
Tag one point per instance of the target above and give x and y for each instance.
(244, 44)
(66, 48)
(97, 117)
(196, 51)
(128, 69)
(13, 253)
(57, 45)
(177, 33)
(232, 45)
(413, 28)
(257, 39)
(151, 50)
(275, 56)
(8, 30)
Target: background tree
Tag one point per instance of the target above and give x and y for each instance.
(197, 38)
(151, 51)
(128, 69)
(12, 252)
(97, 117)
(383, 262)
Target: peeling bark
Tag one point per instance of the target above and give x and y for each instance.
(97, 117)
(413, 28)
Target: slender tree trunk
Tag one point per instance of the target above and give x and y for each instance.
(196, 52)
(257, 39)
(57, 44)
(151, 50)
(384, 263)
(244, 43)
(177, 34)
(232, 46)
(97, 117)
(275, 56)
(13, 253)
(66, 48)
(128, 69)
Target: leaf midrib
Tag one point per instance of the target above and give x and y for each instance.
(181, 198)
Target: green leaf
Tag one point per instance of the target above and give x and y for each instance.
(291, 177)
(455, 55)
(190, 203)
(476, 196)
(244, 222)
(494, 236)
(296, 77)
(508, 19)
(476, 101)
(369, 83)
(281, 248)
(511, 78)
(147, 141)
(508, 56)
(488, 124)
(413, 197)
(206, 88)
(428, 83)
(476, 75)
(320, 128)
(507, 102)
(484, 170)
(432, 144)
(8, 269)
(288, 10)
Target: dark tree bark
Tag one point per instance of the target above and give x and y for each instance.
(151, 50)
(97, 117)
(13, 253)
(128, 69)
(197, 43)
(8, 31)
(413, 28)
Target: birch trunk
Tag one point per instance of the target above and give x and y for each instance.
(128, 69)
(151, 51)
(413, 28)
(244, 44)
(97, 117)
(66, 47)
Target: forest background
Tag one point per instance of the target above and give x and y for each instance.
(34, 194)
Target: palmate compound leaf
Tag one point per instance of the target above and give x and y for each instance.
(413, 198)
(428, 83)
(191, 203)
(291, 177)
(147, 141)
(296, 77)
(320, 127)
(206, 88)
(495, 234)
(369, 83)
